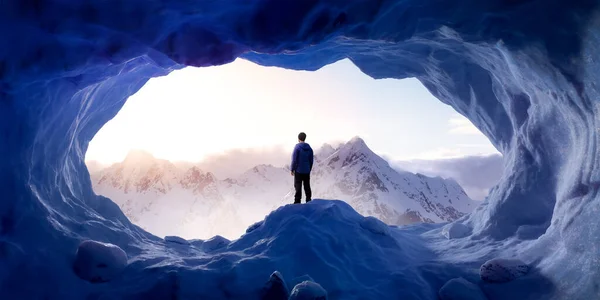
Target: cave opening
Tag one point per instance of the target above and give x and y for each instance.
(205, 151)
(524, 72)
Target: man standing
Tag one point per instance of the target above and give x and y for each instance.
(302, 162)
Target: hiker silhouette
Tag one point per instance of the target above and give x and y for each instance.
(302, 163)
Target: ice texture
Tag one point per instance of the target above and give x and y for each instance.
(501, 270)
(308, 290)
(176, 240)
(455, 230)
(275, 289)
(461, 289)
(99, 262)
(524, 72)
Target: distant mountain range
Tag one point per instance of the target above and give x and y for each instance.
(179, 198)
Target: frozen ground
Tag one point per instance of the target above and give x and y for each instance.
(327, 242)
(524, 72)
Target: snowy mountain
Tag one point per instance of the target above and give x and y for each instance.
(367, 182)
(167, 198)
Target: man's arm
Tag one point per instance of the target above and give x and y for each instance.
(294, 164)
(311, 159)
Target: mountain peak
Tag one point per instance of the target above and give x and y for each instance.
(138, 156)
(325, 151)
(356, 151)
(356, 140)
(326, 146)
(357, 144)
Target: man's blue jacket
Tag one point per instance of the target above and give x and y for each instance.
(302, 159)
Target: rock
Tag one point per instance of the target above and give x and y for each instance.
(215, 243)
(456, 231)
(99, 262)
(275, 288)
(196, 243)
(500, 270)
(254, 226)
(176, 240)
(308, 290)
(461, 289)
(374, 225)
(531, 232)
(167, 287)
(299, 279)
(12, 257)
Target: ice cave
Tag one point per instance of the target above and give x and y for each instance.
(523, 71)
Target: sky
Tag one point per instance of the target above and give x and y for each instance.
(195, 113)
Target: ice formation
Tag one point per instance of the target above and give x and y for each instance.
(455, 230)
(503, 270)
(99, 262)
(275, 288)
(523, 71)
(308, 290)
(461, 289)
(176, 240)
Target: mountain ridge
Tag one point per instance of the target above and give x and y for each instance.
(152, 191)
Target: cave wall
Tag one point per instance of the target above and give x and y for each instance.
(524, 72)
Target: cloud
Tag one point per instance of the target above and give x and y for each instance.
(461, 150)
(462, 126)
(441, 153)
(476, 174)
(95, 166)
(232, 163)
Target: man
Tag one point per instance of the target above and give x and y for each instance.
(302, 162)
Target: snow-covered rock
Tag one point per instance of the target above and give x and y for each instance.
(176, 240)
(99, 262)
(275, 288)
(308, 290)
(456, 230)
(500, 270)
(297, 280)
(354, 173)
(375, 226)
(215, 243)
(461, 289)
(254, 226)
(324, 152)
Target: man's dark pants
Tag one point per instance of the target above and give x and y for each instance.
(299, 180)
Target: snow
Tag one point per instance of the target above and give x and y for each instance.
(215, 243)
(254, 226)
(323, 152)
(99, 262)
(461, 289)
(176, 240)
(456, 231)
(503, 270)
(374, 225)
(308, 290)
(168, 198)
(523, 72)
(275, 289)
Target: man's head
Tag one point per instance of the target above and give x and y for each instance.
(302, 137)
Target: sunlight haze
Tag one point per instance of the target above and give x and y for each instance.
(196, 112)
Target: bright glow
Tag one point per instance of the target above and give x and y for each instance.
(196, 112)
(462, 125)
